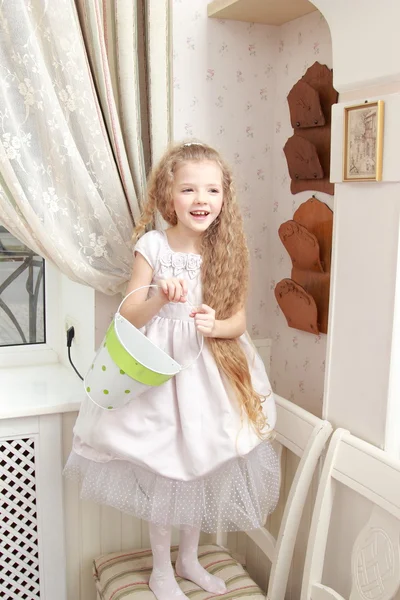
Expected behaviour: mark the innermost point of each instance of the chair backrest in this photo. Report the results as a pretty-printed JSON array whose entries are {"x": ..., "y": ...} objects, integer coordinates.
[
  {"x": 375, "y": 563},
  {"x": 305, "y": 435}
]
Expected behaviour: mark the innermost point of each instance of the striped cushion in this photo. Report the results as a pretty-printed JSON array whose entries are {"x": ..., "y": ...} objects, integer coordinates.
[{"x": 125, "y": 575}]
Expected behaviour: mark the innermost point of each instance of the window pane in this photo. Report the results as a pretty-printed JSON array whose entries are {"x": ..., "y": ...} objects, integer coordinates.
[{"x": 21, "y": 293}]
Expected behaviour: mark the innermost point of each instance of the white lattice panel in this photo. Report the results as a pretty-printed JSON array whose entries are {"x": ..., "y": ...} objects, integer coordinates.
[{"x": 19, "y": 575}]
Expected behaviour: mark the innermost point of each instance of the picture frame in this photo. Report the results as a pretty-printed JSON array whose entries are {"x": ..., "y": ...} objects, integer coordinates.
[{"x": 363, "y": 141}]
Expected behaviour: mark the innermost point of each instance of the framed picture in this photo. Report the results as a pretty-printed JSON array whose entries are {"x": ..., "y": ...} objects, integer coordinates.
[{"x": 363, "y": 142}]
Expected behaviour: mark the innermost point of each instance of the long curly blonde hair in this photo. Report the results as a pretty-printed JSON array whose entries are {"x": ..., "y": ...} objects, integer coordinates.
[{"x": 225, "y": 265}]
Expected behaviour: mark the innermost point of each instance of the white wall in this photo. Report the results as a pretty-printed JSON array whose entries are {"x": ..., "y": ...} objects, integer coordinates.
[
  {"x": 366, "y": 44},
  {"x": 76, "y": 307},
  {"x": 361, "y": 371},
  {"x": 364, "y": 275},
  {"x": 367, "y": 218}
]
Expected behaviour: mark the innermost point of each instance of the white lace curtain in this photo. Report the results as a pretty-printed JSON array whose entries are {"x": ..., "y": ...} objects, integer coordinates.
[{"x": 72, "y": 169}]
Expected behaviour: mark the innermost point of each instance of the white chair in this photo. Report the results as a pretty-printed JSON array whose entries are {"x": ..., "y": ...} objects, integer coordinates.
[
  {"x": 305, "y": 435},
  {"x": 375, "y": 564}
]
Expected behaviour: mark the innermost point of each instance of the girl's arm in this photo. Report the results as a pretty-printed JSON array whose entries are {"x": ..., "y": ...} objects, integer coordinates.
[
  {"x": 209, "y": 326},
  {"x": 137, "y": 309},
  {"x": 233, "y": 327}
]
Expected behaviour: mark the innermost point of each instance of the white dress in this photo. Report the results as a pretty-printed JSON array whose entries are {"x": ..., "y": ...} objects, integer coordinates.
[{"x": 182, "y": 453}]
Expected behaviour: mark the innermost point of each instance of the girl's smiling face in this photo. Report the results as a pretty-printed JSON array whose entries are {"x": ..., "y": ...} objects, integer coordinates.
[{"x": 197, "y": 194}]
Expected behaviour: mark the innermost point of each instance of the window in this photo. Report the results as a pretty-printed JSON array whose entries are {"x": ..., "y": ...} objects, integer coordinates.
[{"x": 22, "y": 293}]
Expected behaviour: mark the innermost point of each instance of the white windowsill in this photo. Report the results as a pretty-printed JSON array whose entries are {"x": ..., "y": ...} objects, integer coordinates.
[
  {"x": 39, "y": 390},
  {"x": 35, "y": 390}
]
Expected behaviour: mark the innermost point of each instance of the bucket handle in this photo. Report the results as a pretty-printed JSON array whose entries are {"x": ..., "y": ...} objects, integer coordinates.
[{"x": 142, "y": 287}]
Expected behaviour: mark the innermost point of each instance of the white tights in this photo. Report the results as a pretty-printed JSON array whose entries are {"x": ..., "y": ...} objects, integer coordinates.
[{"x": 162, "y": 580}]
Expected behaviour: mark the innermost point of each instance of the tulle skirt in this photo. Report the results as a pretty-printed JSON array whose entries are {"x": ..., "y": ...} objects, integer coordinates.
[{"x": 237, "y": 496}]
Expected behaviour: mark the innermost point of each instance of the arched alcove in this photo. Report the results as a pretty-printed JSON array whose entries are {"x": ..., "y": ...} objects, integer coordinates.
[{"x": 365, "y": 42}]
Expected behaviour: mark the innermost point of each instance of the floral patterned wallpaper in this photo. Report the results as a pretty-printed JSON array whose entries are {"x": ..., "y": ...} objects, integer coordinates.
[
  {"x": 298, "y": 358},
  {"x": 230, "y": 82}
]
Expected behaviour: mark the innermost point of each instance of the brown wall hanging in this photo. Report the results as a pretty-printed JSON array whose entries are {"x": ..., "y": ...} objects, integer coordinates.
[
  {"x": 308, "y": 151},
  {"x": 304, "y": 299}
]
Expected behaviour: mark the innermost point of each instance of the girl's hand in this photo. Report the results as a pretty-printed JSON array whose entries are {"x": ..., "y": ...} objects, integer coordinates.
[
  {"x": 174, "y": 289},
  {"x": 204, "y": 318}
]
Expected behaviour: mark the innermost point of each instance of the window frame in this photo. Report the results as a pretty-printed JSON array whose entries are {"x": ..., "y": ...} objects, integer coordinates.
[{"x": 43, "y": 352}]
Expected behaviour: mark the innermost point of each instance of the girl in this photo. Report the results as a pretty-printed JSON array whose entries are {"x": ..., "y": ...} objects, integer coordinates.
[{"x": 193, "y": 452}]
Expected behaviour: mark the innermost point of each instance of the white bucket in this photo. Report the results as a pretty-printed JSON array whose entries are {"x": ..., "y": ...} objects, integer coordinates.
[{"x": 128, "y": 364}]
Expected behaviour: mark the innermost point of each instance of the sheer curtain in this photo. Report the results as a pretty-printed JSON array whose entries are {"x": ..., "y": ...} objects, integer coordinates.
[
  {"x": 72, "y": 166},
  {"x": 115, "y": 40}
]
